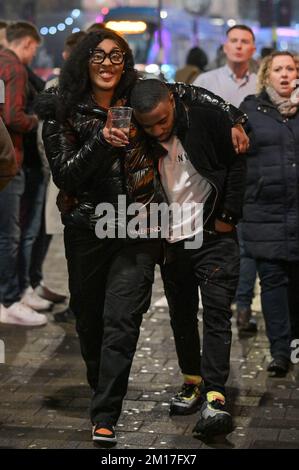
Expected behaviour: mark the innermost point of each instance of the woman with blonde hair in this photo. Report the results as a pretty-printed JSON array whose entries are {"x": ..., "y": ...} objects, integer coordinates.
[{"x": 271, "y": 206}]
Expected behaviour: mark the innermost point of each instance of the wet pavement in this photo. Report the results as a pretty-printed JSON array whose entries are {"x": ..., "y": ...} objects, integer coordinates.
[{"x": 45, "y": 398}]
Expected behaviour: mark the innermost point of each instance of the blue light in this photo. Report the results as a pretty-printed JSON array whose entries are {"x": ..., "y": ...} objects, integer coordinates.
[
  {"x": 61, "y": 27},
  {"x": 76, "y": 12},
  {"x": 52, "y": 30},
  {"x": 69, "y": 21},
  {"x": 76, "y": 30},
  {"x": 44, "y": 31}
]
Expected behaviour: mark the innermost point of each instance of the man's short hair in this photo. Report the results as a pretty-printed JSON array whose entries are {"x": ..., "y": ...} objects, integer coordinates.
[
  {"x": 17, "y": 30},
  {"x": 3, "y": 24},
  {"x": 243, "y": 27},
  {"x": 147, "y": 94},
  {"x": 72, "y": 40}
]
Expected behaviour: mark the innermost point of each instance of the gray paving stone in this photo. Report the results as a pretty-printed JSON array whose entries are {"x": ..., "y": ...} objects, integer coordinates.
[
  {"x": 167, "y": 428},
  {"x": 20, "y": 421},
  {"x": 138, "y": 405},
  {"x": 261, "y": 434},
  {"x": 267, "y": 412},
  {"x": 170, "y": 441},
  {"x": 14, "y": 443},
  {"x": 87, "y": 445},
  {"x": 289, "y": 435},
  {"x": 142, "y": 439},
  {"x": 51, "y": 444},
  {"x": 259, "y": 444}
]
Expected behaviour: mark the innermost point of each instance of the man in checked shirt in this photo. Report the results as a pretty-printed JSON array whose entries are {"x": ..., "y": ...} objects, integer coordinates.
[{"x": 23, "y": 40}]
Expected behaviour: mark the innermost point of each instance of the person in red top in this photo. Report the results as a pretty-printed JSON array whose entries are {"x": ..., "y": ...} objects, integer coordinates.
[{"x": 23, "y": 40}]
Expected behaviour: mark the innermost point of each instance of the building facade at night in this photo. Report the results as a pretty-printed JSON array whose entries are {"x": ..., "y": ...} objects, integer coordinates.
[{"x": 184, "y": 23}]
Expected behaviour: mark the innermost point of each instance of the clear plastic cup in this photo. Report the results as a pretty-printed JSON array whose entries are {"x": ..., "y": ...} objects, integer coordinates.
[{"x": 119, "y": 117}]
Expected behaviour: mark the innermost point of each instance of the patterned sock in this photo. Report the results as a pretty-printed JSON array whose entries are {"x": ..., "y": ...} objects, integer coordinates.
[
  {"x": 192, "y": 379},
  {"x": 211, "y": 396}
]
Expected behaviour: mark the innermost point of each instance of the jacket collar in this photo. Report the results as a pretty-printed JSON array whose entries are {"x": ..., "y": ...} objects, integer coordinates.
[
  {"x": 88, "y": 106},
  {"x": 264, "y": 100},
  {"x": 265, "y": 106},
  {"x": 9, "y": 53}
]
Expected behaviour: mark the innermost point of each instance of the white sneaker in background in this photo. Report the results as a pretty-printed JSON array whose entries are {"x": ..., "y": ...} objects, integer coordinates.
[
  {"x": 20, "y": 314},
  {"x": 34, "y": 301}
]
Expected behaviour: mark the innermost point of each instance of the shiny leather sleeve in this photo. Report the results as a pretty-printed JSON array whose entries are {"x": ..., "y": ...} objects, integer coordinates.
[
  {"x": 230, "y": 207},
  {"x": 71, "y": 162},
  {"x": 191, "y": 93}
]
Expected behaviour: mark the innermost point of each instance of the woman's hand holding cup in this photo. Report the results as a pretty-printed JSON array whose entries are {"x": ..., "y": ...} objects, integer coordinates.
[{"x": 117, "y": 127}]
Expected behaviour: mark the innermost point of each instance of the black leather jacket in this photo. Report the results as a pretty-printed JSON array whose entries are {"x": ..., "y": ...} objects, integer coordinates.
[
  {"x": 85, "y": 166},
  {"x": 205, "y": 133}
]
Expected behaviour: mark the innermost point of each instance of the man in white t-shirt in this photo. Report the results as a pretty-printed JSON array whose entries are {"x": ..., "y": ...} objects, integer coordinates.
[{"x": 201, "y": 168}]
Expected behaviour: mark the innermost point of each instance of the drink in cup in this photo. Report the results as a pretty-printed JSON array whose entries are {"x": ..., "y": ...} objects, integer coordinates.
[{"x": 120, "y": 118}]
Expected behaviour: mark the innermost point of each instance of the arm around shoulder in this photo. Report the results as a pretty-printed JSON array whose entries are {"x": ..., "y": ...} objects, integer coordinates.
[
  {"x": 230, "y": 210},
  {"x": 194, "y": 94}
]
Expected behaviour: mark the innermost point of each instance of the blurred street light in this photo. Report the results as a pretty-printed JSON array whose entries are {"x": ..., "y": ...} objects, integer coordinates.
[{"x": 160, "y": 41}]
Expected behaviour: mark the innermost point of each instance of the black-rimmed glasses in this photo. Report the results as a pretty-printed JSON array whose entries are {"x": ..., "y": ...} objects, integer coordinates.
[{"x": 97, "y": 56}]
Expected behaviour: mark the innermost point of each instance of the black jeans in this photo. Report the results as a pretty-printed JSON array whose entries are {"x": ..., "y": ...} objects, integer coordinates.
[
  {"x": 110, "y": 283},
  {"x": 215, "y": 268}
]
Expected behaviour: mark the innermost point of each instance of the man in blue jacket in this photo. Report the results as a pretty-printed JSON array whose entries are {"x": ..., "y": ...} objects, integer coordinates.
[{"x": 201, "y": 168}]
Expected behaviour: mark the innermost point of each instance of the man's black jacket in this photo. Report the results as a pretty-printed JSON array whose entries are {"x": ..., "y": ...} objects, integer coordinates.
[{"x": 205, "y": 133}]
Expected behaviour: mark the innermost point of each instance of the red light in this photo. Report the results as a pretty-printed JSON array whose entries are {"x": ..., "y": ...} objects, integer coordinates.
[{"x": 105, "y": 11}]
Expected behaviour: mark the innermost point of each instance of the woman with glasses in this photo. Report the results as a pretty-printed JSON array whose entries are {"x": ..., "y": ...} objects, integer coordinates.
[{"x": 110, "y": 279}]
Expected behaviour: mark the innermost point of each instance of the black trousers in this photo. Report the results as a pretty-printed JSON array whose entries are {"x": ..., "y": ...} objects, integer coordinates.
[
  {"x": 215, "y": 268},
  {"x": 110, "y": 283}
]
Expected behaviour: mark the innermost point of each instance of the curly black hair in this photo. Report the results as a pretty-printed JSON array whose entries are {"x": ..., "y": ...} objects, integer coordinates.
[{"x": 74, "y": 81}]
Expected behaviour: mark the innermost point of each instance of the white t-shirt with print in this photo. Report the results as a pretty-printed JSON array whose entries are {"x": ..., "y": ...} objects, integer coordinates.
[{"x": 183, "y": 185}]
